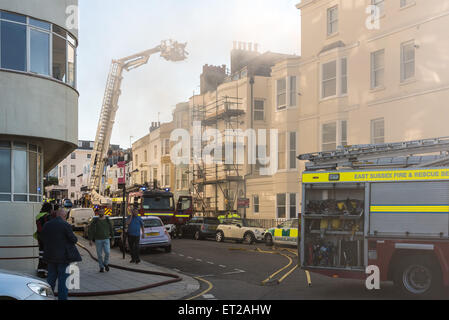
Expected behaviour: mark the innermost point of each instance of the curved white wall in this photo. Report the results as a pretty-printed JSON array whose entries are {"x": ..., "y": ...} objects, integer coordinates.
[{"x": 36, "y": 110}]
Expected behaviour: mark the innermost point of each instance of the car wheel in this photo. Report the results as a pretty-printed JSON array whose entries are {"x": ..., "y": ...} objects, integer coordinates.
[
  {"x": 418, "y": 276},
  {"x": 168, "y": 249},
  {"x": 249, "y": 238},
  {"x": 219, "y": 236},
  {"x": 197, "y": 236},
  {"x": 269, "y": 240}
]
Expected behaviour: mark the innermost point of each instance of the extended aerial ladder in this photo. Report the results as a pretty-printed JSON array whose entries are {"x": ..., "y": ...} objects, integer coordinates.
[
  {"x": 400, "y": 154},
  {"x": 170, "y": 51}
]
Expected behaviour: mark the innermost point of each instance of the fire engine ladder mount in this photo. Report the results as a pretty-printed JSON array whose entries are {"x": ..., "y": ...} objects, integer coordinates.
[
  {"x": 401, "y": 154},
  {"x": 170, "y": 51}
]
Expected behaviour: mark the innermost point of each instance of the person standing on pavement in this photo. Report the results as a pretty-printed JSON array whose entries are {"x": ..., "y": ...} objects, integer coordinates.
[
  {"x": 101, "y": 231},
  {"x": 135, "y": 230},
  {"x": 60, "y": 251},
  {"x": 41, "y": 219}
]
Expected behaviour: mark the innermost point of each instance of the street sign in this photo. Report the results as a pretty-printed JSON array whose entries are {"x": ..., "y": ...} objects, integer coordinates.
[{"x": 243, "y": 203}]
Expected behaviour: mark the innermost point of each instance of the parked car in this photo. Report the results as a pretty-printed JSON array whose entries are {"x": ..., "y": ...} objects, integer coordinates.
[
  {"x": 285, "y": 233},
  {"x": 117, "y": 225},
  {"x": 240, "y": 230},
  {"x": 156, "y": 235},
  {"x": 200, "y": 228},
  {"x": 67, "y": 203},
  {"x": 79, "y": 217},
  {"x": 17, "y": 286}
]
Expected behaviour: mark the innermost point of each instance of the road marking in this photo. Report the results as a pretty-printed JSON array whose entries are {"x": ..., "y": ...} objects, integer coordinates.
[
  {"x": 208, "y": 296},
  {"x": 181, "y": 255},
  {"x": 177, "y": 270},
  {"x": 235, "y": 272},
  {"x": 222, "y": 266},
  {"x": 210, "y": 262},
  {"x": 189, "y": 258},
  {"x": 211, "y": 286},
  {"x": 199, "y": 260}
]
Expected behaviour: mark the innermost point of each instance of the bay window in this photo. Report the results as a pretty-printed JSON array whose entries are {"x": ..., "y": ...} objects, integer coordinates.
[{"x": 38, "y": 47}]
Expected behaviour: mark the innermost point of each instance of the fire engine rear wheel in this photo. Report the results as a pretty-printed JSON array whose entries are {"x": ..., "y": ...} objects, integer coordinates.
[
  {"x": 219, "y": 236},
  {"x": 418, "y": 276}
]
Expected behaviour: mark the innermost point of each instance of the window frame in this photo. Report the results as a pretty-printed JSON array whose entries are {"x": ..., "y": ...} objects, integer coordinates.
[
  {"x": 256, "y": 204},
  {"x": 375, "y": 70},
  {"x": 329, "y": 23},
  {"x": 284, "y": 206},
  {"x": 338, "y": 133},
  {"x": 343, "y": 76},
  {"x": 322, "y": 80},
  {"x": 28, "y": 148},
  {"x": 69, "y": 40},
  {"x": 259, "y": 111},
  {"x": 279, "y": 106},
  {"x": 373, "y": 138},
  {"x": 290, "y": 151},
  {"x": 403, "y": 62},
  {"x": 339, "y": 76},
  {"x": 288, "y": 205}
]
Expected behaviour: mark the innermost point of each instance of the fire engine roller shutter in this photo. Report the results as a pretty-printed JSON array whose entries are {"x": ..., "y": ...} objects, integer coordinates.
[{"x": 419, "y": 208}]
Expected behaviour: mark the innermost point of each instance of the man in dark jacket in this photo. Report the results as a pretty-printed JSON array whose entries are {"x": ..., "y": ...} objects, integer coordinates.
[{"x": 58, "y": 239}]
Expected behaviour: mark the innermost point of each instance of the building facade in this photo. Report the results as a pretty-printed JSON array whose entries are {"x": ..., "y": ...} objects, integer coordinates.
[
  {"x": 73, "y": 171},
  {"x": 372, "y": 72},
  {"x": 38, "y": 115}
]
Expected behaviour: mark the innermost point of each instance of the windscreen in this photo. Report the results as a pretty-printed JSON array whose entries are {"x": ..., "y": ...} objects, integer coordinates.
[
  {"x": 152, "y": 223},
  {"x": 158, "y": 203},
  {"x": 211, "y": 221}
]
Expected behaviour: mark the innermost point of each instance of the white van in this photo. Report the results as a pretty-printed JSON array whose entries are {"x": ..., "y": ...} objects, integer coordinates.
[{"x": 80, "y": 217}]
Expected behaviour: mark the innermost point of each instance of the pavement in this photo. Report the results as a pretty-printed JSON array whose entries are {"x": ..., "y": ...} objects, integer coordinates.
[{"x": 91, "y": 280}]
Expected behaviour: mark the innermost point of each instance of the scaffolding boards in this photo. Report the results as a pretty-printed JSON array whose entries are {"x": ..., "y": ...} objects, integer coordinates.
[
  {"x": 215, "y": 181},
  {"x": 401, "y": 154}
]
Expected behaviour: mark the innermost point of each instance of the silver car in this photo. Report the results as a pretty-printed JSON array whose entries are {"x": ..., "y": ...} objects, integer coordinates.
[{"x": 17, "y": 286}]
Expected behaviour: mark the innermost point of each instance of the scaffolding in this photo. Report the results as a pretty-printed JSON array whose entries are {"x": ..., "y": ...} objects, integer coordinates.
[{"x": 212, "y": 181}]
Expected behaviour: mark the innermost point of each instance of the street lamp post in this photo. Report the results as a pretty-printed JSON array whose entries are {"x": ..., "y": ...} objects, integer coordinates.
[{"x": 124, "y": 206}]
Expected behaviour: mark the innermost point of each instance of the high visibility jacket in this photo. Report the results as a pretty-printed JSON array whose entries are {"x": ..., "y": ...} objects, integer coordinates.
[{"x": 41, "y": 219}]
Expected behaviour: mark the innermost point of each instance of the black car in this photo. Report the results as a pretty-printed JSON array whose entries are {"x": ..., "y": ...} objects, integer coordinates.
[
  {"x": 117, "y": 225},
  {"x": 200, "y": 228}
]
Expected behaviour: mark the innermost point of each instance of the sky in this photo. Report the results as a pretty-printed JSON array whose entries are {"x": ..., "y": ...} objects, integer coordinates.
[{"x": 113, "y": 29}]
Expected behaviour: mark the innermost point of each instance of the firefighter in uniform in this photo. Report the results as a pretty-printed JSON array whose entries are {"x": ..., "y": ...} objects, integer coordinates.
[{"x": 41, "y": 219}]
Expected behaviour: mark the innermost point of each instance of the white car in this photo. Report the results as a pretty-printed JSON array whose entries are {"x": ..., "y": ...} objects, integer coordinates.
[
  {"x": 79, "y": 217},
  {"x": 240, "y": 230},
  {"x": 17, "y": 286}
]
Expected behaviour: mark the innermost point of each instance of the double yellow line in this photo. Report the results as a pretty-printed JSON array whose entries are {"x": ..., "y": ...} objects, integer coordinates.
[
  {"x": 211, "y": 286},
  {"x": 309, "y": 280}
]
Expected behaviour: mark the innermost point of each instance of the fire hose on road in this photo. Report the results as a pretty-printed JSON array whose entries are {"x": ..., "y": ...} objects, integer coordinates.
[
  {"x": 175, "y": 278},
  {"x": 278, "y": 252}
]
